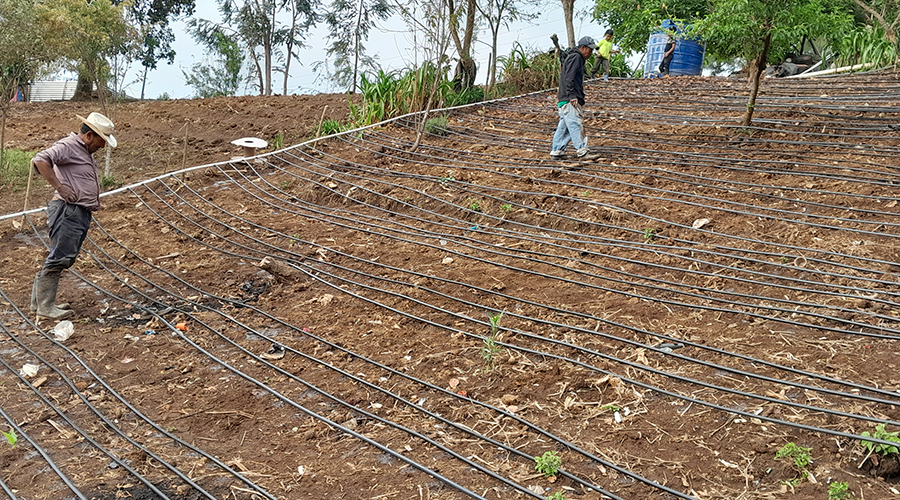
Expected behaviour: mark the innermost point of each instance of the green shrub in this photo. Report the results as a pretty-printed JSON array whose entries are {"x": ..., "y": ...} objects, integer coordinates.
[
  {"x": 467, "y": 96},
  {"x": 548, "y": 463},
  {"x": 14, "y": 168},
  {"x": 331, "y": 126},
  {"x": 437, "y": 125},
  {"x": 839, "y": 491}
]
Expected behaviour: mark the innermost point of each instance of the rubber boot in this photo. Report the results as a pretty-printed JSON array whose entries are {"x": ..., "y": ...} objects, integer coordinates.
[
  {"x": 64, "y": 305},
  {"x": 45, "y": 290}
]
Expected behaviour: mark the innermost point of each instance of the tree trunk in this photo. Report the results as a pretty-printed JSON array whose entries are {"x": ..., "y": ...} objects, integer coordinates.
[
  {"x": 568, "y": 11},
  {"x": 359, "y": 13},
  {"x": 144, "y": 83},
  {"x": 84, "y": 89},
  {"x": 757, "y": 67}
]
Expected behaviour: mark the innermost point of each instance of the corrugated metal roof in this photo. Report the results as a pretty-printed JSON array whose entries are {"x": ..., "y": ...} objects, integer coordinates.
[{"x": 51, "y": 91}]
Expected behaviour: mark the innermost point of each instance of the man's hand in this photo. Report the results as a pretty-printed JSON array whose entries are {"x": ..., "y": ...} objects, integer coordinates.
[{"x": 66, "y": 193}]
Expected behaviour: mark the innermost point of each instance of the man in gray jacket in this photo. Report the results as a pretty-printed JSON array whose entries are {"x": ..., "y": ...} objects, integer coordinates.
[
  {"x": 69, "y": 167},
  {"x": 570, "y": 100}
]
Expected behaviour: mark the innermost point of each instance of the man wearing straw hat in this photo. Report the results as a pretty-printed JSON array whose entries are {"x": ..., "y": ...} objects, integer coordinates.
[{"x": 69, "y": 167}]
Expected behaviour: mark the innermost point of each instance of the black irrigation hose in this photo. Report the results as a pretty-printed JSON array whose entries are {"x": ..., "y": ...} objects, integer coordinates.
[
  {"x": 511, "y": 450},
  {"x": 356, "y": 355},
  {"x": 471, "y": 286},
  {"x": 323, "y": 419},
  {"x": 733, "y": 303},
  {"x": 120, "y": 462},
  {"x": 124, "y": 402},
  {"x": 827, "y": 411},
  {"x": 20, "y": 433},
  {"x": 690, "y": 243}
]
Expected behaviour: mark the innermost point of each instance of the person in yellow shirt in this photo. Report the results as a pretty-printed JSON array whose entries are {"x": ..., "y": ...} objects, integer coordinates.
[{"x": 604, "y": 49}]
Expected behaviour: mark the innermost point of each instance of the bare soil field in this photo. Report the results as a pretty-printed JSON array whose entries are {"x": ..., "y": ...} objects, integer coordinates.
[{"x": 664, "y": 317}]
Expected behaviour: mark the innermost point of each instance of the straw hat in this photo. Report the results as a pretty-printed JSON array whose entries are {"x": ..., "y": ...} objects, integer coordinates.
[{"x": 101, "y": 125}]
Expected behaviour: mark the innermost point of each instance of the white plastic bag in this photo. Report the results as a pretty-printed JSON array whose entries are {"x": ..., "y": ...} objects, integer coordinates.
[{"x": 63, "y": 330}]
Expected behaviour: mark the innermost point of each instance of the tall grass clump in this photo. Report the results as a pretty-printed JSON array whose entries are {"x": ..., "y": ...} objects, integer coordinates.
[
  {"x": 14, "y": 168},
  {"x": 523, "y": 72},
  {"x": 867, "y": 45},
  {"x": 391, "y": 94}
]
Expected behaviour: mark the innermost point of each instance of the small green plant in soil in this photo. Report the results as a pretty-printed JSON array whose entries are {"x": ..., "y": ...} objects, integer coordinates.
[
  {"x": 278, "y": 140},
  {"x": 331, "y": 126},
  {"x": 494, "y": 320},
  {"x": 437, "y": 125},
  {"x": 108, "y": 181},
  {"x": 15, "y": 167},
  {"x": 880, "y": 433},
  {"x": 839, "y": 490},
  {"x": 490, "y": 349},
  {"x": 800, "y": 458},
  {"x": 474, "y": 206},
  {"x": 548, "y": 463},
  {"x": 11, "y": 437},
  {"x": 649, "y": 234},
  {"x": 611, "y": 408},
  {"x": 506, "y": 207},
  {"x": 556, "y": 496},
  {"x": 444, "y": 180}
]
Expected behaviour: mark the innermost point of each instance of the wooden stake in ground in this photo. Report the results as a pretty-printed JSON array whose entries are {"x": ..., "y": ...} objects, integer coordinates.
[
  {"x": 27, "y": 191},
  {"x": 322, "y": 119}
]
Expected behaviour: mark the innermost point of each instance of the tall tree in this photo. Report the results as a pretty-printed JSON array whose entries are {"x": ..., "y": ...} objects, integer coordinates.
[
  {"x": 27, "y": 46},
  {"x": 568, "y": 14},
  {"x": 349, "y": 22},
  {"x": 635, "y": 20},
  {"x": 92, "y": 34},
  {"x": 760, "y": 31},
  {"x": 884, "y": 13},
  {"x": 499, "y": 13},
  {"x": 465, "y": 67},
  {"x": 222, "y": 75},
  {"x": 257, "y": 25},
  {"x": 151, "y": 18}
]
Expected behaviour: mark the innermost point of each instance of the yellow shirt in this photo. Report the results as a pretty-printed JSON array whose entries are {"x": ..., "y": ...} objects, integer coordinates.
[{"x": 604, "y": 47}]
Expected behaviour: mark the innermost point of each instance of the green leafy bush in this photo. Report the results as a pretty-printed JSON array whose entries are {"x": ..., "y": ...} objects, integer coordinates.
[
  {"x": 467, "y": 96},
  {"x": 15, "y": 167},
  {"x": 839, "y": 491},
  {"x": 548, "y": 463},
  {"x": 880, "y": 433},
  {"x": 437, "y": 125}
]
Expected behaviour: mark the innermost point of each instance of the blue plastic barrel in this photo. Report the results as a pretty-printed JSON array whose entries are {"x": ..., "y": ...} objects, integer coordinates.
[{"x": 687, "y": 58}]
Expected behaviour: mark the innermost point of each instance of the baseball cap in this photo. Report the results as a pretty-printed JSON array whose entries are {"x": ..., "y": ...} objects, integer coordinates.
[{"x": 587, "y": 41}]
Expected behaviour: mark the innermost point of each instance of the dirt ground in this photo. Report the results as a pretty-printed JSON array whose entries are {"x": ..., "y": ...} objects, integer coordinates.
[{"x": 665, "y": 316}]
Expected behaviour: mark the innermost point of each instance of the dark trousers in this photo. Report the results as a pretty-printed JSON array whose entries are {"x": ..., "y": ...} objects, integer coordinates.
[
  {"x": 664, "y": 65},
  {"x": 69, "y": 225}
]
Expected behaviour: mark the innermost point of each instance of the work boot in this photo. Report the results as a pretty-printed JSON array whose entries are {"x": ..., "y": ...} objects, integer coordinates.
[
  {"x": 64, "y": 305},
  {"x": 45, "y": 288}
]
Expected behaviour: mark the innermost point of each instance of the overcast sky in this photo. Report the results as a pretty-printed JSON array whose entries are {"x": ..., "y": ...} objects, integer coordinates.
[{"x": 389, "y": 42}]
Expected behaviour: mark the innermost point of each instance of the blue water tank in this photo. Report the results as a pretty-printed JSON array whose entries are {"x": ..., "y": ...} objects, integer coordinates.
[{"x": 687, "y": 58}]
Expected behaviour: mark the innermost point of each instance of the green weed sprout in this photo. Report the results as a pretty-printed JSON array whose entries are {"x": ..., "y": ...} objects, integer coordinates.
[
  {"x": 556, "y": 496},
  {"x": 490, "y": 349},
  {"x": 800, "y": 459},
  {"x": 548, "y": 463},
  {"x": 839, "y": 490},
  {"x": 649, "y": 234},
  {"x": 494, "y": 320},
  {"x": 11, "y": 437},
  {"x": 612, "y": 408},
  {"x": 506, "y": 207},
  {"x": 474, "y": 206},
  {"x": 437, "y": 125},
  {"x": 880, "y": 433}
]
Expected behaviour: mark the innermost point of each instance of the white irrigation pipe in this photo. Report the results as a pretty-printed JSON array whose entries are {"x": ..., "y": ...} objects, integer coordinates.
[{"x": 833, "y": 70}]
